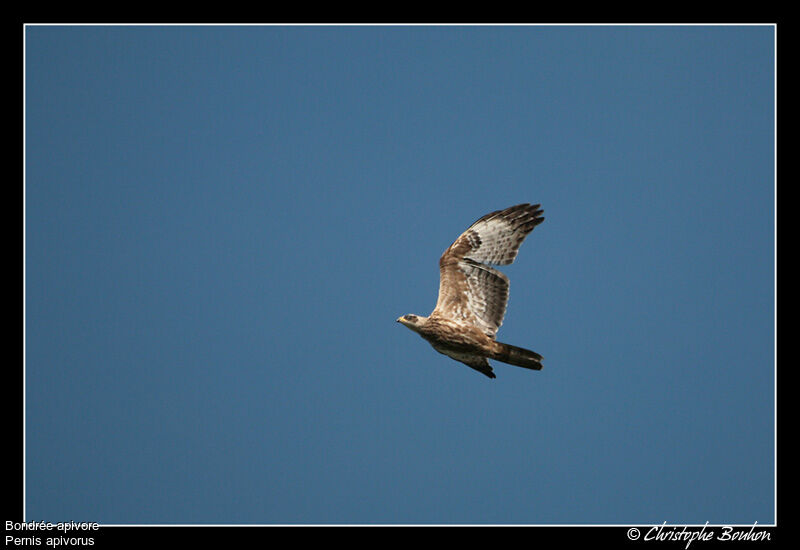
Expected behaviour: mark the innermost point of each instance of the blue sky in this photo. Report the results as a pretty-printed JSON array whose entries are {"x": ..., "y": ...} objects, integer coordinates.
[{"x": 223, "y": 223}]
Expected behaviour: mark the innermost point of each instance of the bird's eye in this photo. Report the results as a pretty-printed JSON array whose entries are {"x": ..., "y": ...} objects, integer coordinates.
[{"x": 409, "y": 317}]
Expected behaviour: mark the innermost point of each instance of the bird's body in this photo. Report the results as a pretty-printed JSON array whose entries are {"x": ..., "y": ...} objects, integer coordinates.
[{"x": 473, "y": 295}]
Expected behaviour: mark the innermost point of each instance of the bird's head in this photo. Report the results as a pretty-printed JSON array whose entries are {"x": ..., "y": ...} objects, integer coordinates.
[{"x": 412, "y": 321}]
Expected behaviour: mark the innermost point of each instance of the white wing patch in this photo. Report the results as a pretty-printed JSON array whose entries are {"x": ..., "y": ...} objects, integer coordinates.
[
  {"x": 499, "y": 235},
  {"x": 487, "y": 295}
]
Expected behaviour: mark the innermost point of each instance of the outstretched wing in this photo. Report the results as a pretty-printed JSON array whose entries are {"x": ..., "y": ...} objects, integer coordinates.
[
  {"x": 470, "y": 291},
  {"x": 495, "y": 238},
  {"x": 477, "y": 362}
]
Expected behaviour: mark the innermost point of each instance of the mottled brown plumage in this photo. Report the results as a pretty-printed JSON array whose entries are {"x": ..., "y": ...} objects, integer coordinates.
[{"x": 473, "y": 295}]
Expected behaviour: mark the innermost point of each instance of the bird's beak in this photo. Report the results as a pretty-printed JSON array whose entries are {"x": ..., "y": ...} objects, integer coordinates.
[{"x": 398, "y": 319}]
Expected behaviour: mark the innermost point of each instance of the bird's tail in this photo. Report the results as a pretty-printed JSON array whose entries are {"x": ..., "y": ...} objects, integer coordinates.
[{"x": 519, "y": 357}]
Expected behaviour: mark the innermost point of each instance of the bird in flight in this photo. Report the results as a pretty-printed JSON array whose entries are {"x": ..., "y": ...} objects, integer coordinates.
[{"x": 473, "y": 295}]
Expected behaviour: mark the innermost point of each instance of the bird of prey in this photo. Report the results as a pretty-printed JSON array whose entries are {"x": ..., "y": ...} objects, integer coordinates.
[{"x": 473, "y": 295}]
